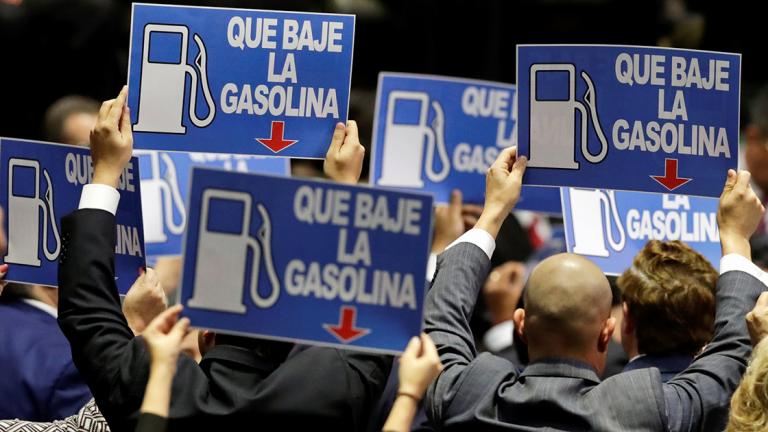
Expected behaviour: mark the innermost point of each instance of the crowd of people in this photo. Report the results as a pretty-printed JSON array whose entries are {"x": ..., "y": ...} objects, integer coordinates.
[
  {"x": 76, "y": 358},
  {"x": 518, "y": 334}
]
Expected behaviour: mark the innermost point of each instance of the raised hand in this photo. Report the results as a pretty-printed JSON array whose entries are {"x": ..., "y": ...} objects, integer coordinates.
[
  {"x": 344, "y": 159},
  {"x": 112, "y": 140}
]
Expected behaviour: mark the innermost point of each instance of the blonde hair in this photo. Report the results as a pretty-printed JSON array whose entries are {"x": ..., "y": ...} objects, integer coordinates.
[{"x": 749, "y": 405}]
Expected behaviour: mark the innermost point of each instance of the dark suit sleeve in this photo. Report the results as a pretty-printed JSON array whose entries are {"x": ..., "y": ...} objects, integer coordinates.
[
  {"x": 461, "y": 272},
  {"x": 112, "y": 361},
  {"x": 699, "y": 397}
]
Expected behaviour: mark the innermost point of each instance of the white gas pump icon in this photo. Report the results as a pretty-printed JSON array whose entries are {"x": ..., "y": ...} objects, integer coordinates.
[
  {"x": 228, "y": 251},
  {"x": 163, "y": 85},
  {"x": 160, "y": 196},
  {"x": 403, "y": 160},
  {"x": 553, "y": 122},
  {"x": 24, "y": 217},
  {"x": 591, "y": 212}
]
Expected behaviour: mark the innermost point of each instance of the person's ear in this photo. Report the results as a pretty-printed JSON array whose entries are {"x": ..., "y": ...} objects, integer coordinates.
[
  {"x": 519, "y": 319},
  {"x": 627, "y": 321},
  {"x": 605, "y": 334}
]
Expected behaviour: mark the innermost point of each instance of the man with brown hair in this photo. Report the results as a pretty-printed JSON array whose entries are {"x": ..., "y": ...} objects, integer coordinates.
[{"x": 669, "y": 307}]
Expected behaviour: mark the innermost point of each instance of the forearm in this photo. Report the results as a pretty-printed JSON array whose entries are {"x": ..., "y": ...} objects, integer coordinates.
[
  {"x": 401, "y": 416},
  {"x": 114, "y": 365},
  {"x": 702, "y": 392},
  {"x": 157, "y": 398}
]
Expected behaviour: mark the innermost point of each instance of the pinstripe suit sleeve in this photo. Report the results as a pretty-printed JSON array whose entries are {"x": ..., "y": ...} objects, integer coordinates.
[
  {"x": 461, "y": 272},
  {"x": 699, "y": 397}
]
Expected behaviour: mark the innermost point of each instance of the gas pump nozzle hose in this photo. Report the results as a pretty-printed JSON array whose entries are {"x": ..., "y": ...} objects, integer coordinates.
[
  {"x": 201, "y": 61},
  {"x": 589, "y": 99}
]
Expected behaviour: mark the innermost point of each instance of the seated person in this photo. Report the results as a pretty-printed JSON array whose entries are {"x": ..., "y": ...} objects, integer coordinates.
[
  {"x": 40, "y": 382},
  {"x": 567, "y": 325},
  {"x": 319, "y": 388},
  {"x": 143, "y": 302},
  {"x": 669, "y": 307}
]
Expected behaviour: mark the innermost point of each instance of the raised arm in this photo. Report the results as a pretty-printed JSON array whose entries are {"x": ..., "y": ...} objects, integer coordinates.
[
  {"x": 461, "y": 272},
  {"x": 702, "y": 392},
  {"x": 113, "y": 362},
  {"x": 89, "y": 306}
]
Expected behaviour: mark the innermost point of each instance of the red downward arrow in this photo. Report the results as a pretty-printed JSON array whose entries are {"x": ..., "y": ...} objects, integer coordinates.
[
  {"x": 275, "y": 142},
  {"x": 670, "y": 180},
  {"x": 346, "y": 331}
]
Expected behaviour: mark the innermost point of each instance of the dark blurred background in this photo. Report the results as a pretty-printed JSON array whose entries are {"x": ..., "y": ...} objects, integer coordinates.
[{"x": 52, "y": 48}]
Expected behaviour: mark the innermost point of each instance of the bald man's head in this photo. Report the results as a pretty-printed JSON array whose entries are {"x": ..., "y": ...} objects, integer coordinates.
[{"x": 567, "y": 303}]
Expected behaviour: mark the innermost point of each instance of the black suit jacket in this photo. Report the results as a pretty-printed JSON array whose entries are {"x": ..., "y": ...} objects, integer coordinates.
[{"x": 318, "y": 389}]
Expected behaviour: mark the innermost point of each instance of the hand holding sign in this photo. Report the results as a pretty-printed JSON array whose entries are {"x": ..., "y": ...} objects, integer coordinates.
[
  {"x": 419, "y": 365},
  {"x": 503, "y": 289},
  {"x": 739, "y": 213},
  {"x": 344, "y": 160},
  {"x": 163, "y": 337},
  {"x": 502, "y": 189},
  {"x": 144, "y": 301},
  {"x": 757, "y": 320},
  {"x": 449, "y": 223},
  {"x": 112, "y": 140}
]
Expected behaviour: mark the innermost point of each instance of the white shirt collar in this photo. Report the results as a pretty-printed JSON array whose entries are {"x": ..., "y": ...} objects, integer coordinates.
[{"x": 50, "y": 310}]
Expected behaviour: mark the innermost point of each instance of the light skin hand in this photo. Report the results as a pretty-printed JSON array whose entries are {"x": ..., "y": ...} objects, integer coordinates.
[
  {"x": 163, "y": 337},
  {"x": 470, "y": 213},
  {"x": 503, "y": 183},
  {"x": 757, "y": 319},
  {"x": 112, "y": 140},
  {"x": 449, "y": 223},
  {"x": 344, "y": 159},
  {"x": 738, "y": 214},
  {"x": 503, "y": 289},
  {"x": 145, "y": 300},
  {"x": 419, "y": 366}
]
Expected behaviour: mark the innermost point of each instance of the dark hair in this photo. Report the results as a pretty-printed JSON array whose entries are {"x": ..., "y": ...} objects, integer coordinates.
[{"x": 58, "y": 112}]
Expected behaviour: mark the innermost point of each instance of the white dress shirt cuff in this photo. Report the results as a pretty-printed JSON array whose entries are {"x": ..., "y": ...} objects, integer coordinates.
[
  {"x": 499, "y": 336},
  {"x": 431, "y": 267},
  {"x": 737, "y": 262},
  {"x": 100, "y": 197},
  {"x": 479, "y": 238}
]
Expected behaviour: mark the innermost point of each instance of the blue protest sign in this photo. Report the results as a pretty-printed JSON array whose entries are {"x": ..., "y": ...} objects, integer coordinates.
[
  {"x": 165, "y": 187},
  {"x": 304, "y": 260},
  {"x": 628, "y": 118},
  {"x": 45, "y": 182},
  {"x": 437, "y": 134},
  {"x": 238, "y": 81},
  {"x": 611, "y": 227}
]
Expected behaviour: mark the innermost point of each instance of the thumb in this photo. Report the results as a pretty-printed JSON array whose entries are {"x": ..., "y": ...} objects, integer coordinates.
[
  {"x": 518, "y": 169},
  {"x": 337, "y": 140},
  {"x": 762, "y": 301},
  {"x": 412, "y": 350},
  {"x": 730, "y": 181},
  {"x": 456, "y": 202}
]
